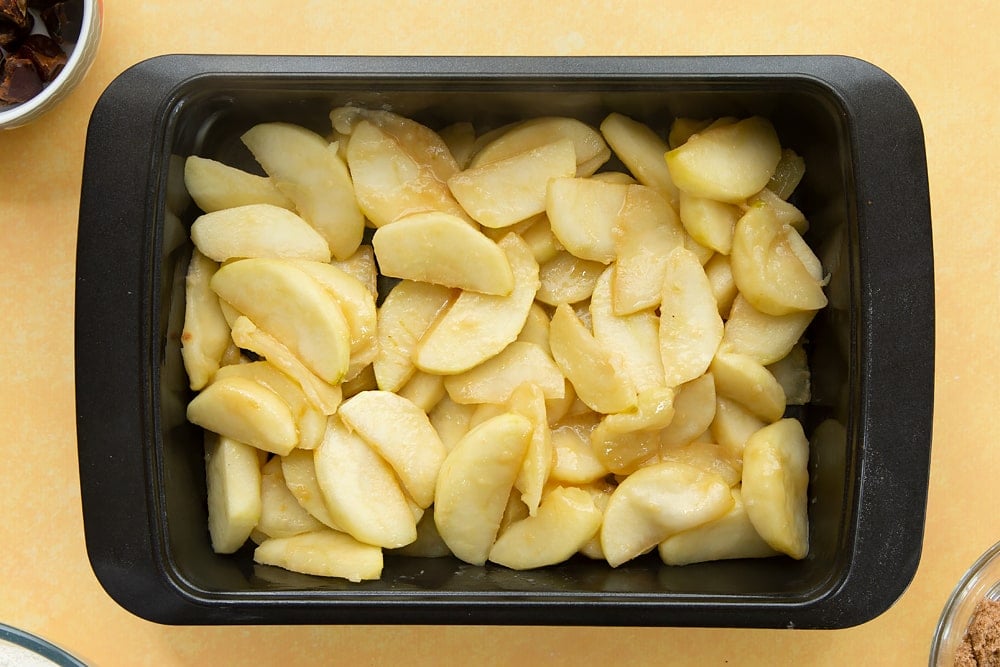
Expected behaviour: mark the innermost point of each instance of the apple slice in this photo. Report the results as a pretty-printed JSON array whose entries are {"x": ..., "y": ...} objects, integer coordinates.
[
  {"x": 732, "y": 427},
  {"x": 324, "y": 553},
  {"x": 478, "y": 326},
  {"x": 787, "y": 174},
  {"x": 626, "y": 440},
  {"x": 401, "y": 433},
  {"x": 496, "y": 379},
  {"x": 424, "y": 390},
  {"x": 257, "y": 230},
  {"x": 361, "y": 265},
  {"x": 536, "y": 328},
  {"x": 451, "y": 420},
  {"x": 308, "y": 170},
  {"x": 361, "y": 490},
  {"x": 694, "y": 410},
  {"x": 589, "y": 148},
  {"x": 405, "y": 316},
  {"x": 281, "y": 514},
  {"x": 730, "y": 536},
  {"x": 706, "y": 456},
  {"x": 298, "y": 468},
  {"x": 566, "y": 278},
  {"x": 635, "y": 336},
  {"x": 597, "y": 375},
  {"x": 747, "y": 382},
  {"x": 567, "y": 518},
  {"x": 529, "y": 400},
  {"x": 442, "y": 249},
  {"x": 775, "y": 486},
  {"x": 656, "y": 502},
  {"x": 768, "y": 267},
  {"x": 646, "y": 231},
  {"x": 690, "y": 326},
  {"x": 215, "y": 186},
  {"x": 765, "y": 338},
  {"x": 727, "y": 162},
  {"x": 792, "y": 373},
  {"x": 460, "y": 138},
  {"x": 205, "y": 336},
  {"x": 232, "y": 474},
  {"x": 475, "y": 482},
  {"x": 641, "y": 150},
  {"x": 574, "y": 459},
  {"x": 709, "y": 222},
  {"x": 682, "y": 129},
  {"x": 720, "y": 277},
  {"x": 501, "y": 193},
  {"x": 389, "y": 182},
  {"x": 582, "y": 213},
  {"x": 246, "y": 411},
  {"x": 292, "y": 307}
]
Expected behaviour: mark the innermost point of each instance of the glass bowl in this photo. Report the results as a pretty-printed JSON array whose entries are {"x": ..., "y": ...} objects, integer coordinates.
[
  {"x": 981, "y": 581},
  {"x": 18, "y": 647}
]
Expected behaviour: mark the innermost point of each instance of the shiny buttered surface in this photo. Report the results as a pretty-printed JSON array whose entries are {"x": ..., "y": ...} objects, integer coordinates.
[{"x": 570, "y": 360}]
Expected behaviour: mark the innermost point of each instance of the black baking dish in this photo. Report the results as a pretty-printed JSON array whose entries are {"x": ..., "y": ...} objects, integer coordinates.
[{"x": 871, "y": 351}]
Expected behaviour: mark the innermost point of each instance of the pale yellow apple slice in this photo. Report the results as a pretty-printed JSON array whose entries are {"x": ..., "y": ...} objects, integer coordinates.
[
  {"x": 732, "y": 427},
  {"x": 325, "y": 396},
  {"x": 730, "y": 536},
  {"x": 361, "y": 490},
  {"x": 451, "y": 420},
  {"x": 361, "y": 265},
  {"x": 232, "y": 475},
  {"x": 310, "y": 421},
  {"x": 246, "y": 411},
  {"x": 566, "y": 278},
  {"x": 787, "y": 174},
  {"x": 709, "y": 222},
  {"x": 215, "y": 186},
  {"x": 765, "y": 338},
  {"x": 257, "y": 230},
  {"x": 635, "y": 337},
  {"x": 478, "y": 326},
  {"x": 775, "y": 486},
  {"x": 298, "y": 468},
  {"x": 769, "y": 271},
  {"x": 281, "y": 514},
  {"x": 747, "y": 382},
  {"x": 694, "y": 410},
  {"x": 496, "y": 379},
  {"x": 442, "y": 249},
  {"x": 720, "y": 277},
  {"x": 308, "y": 170},
  {"x": 682, "y": 129},
  {"x": 529, "y": 400},
  {"x": 646, "y": 231},
  {"x": 690, "y": 326},
  {"x": 598, "y": 378},
  {"x": 389, "y": 182},
  {"x": 588, "y": 146},
  {"x": 507, "y": 191},
  {"x": 536, "y": 328},
  {"x": 707, "y": 456},
  {"x": 424, "y": 390},
  {"x": 292, "y": 307},
  {"x": 641, "y": 150},
  {"x": 404, "y": 317},
  {"x": 460, "y": 138},
  {"x": 786, "y": 212},
  {"x": 574, "y": 460},
  {"x": 728, "y": 162},
  {"x": 324, "y": 553},
  {"x": 656, "y": 502},
  {"x": 567, "y": 518},
  {"x": 205, "y": 335},
  {"x": 792, "y": 373},
  {"x": 475, "y": 482},
  {"x": 401, "y": 433},
  {"x": 582, "y": 213},
  {"x": 626, "y": 440},
  {"x": 539, "y": 237}
]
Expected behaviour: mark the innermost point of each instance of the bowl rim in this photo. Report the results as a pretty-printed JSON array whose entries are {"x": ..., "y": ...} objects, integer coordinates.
[
  {"x": 80, "y": 58},
  {"x": 972, "y": 583}
]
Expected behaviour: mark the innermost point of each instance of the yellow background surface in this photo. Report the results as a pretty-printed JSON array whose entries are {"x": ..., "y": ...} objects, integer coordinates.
[{"x": 944, "y": 53}]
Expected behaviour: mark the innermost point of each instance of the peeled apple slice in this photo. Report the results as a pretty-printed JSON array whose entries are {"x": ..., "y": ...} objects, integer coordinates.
[
  {"x": 281, "y": 514},
  {"x": 478, "y": 326},
  {"x": 641, "y": 150},
  {"x": 765, "y": 338},
  {"x": 246, "y": 411},
  {"x": 694, "y": 410},
  {"x": 709, "y": 222},
  {"x": 582, "y": 213},
  {"x": 400, "y": 433},
  {"x": 475, "y": 482},
  {"x": 507, "y": 191},
  {"x": 257, "y": 230},
  {"x": 529, "y": 401},
  {"x": 747, "y": 382},
  {"x": 589, "y": 147},
  {"x": 361, "y": 490},
  {"x": 307, "y": 169},
  {"x": 656, "y": 502},
  {"x": 442, "y": 249},
  {"x": 767, "y": 264},
  {"x": 567, "y": 518},
  {"x": 324, "y": 553},
  {"x": 214, "y": 186},
  {"x": 232, "y": 473},
  {"x": 690, "y": 326},
  {"x": 775, "y": 486},
  {"x": 292, "y": 307},
  {"x": 406, "y": 314},
  {"x": 205, "y": 336},
  {"x": 727, "y": 163},
  {"x": 298, "y": 468},
  {"x": 494, "y": 380}
]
